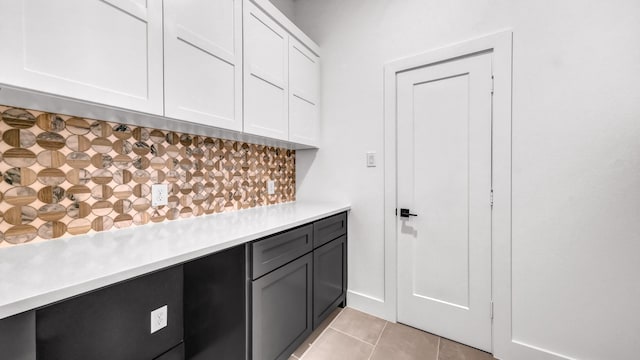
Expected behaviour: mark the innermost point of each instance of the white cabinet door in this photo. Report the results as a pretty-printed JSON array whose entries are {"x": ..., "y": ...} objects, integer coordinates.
[
  {"x": 103, "y": 51},
  {"x": 304, "y": 74},
  {"x": 203, "y": 61},
  {"x": 266, "y": 75}
]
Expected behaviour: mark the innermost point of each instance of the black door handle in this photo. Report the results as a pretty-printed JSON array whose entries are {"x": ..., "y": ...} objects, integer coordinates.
[{"x": 405, "y": 213}]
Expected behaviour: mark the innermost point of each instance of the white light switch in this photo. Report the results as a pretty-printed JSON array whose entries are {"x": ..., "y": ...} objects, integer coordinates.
[
  {"x": 371, "y": 159},
  {"x": 271, "y": 187},
  {"x": 159, "y": 194},
  {"x": 159, "y": 319}
]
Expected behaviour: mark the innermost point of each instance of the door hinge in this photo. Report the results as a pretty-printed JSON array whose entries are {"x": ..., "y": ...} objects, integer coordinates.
[
  {"x": 491, "y": 198},
  {"x": 492, "y": 84},
  {"x": 491, "y": 310}
]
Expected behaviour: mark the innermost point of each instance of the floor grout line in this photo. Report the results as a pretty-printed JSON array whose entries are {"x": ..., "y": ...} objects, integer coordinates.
[
  {"x": 438, "y": 351},
  {"x": 322, "y": 333},
  {"x": 377, "y": 341},
  {"x": 351, "y": 336}
]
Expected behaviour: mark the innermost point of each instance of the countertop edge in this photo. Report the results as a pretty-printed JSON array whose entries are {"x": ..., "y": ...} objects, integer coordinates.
[{"x": 50, "y": 297}]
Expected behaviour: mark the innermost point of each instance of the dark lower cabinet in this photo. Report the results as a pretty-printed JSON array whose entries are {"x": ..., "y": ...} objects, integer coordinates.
[
  {"x": 177, "y": 353},
  {"x": 114, "y": 323},
  {"x": 308, "y": 283},
  {"x": 18, "y": 337},
  {"x": 214, "y": 306},
  {"x": 282, "y": 309},
  {"x": 257, "y": 301},
  {"x": 329, "y": 278}
]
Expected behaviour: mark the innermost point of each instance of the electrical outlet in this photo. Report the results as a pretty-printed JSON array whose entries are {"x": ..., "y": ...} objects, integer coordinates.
[
  {"x": 159, "y": 194},
  {"x": 159, "y": 319},
  {"x": 271, "y": 187}
]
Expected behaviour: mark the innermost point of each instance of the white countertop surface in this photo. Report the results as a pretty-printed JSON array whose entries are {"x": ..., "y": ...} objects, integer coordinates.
[{"x": 34, "y": 275}]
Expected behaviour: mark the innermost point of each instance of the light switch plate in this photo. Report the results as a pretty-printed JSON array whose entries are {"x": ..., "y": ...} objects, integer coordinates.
[
  {"x": 371, "y": 159},
  {"x": 159, "y": 319},
  {"x": 271, "y": 187},
  {"x": 159, "y": 194}
]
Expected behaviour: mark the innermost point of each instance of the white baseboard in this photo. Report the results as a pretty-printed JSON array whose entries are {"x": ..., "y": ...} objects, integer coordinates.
[{"x": 370, "y": 305}]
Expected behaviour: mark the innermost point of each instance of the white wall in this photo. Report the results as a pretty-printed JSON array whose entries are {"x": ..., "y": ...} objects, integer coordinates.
[
  {"x": 287, "y": 7},
  {"x": 576, "y": 153}
]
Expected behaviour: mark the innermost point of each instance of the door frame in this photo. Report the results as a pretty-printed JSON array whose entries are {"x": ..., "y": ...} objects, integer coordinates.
[{"x": 500, "y": 45}]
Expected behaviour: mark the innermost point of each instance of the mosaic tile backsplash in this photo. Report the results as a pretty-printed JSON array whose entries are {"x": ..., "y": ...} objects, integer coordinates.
[{"x": 64, "y": 175}]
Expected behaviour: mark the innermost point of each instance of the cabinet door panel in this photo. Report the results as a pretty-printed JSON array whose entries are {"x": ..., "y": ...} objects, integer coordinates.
[
  {"x": 282, "y": 303},
  {"x": 304, "y": 74},
  {"x": 203, "y": 62},
  {"x": 329, "y": 278},
  {"x": 107, "y": 52},
  {"x": 266, "y": 89},
  {"x": 114, "y": 323},
  {"x": 215, "y": 287},
  {"x": 177, "y": 353},
  {"x": 18, "y": 337}
]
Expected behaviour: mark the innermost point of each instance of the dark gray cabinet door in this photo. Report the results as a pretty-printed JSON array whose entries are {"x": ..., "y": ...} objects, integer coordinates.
[
  {"x": 215, "y": 306},
  {"x": 282, "y": 310},
  {"x": 113, "y": 323},
  {"x": 329, "y": 278},
  {"x": 177, "y": 353},
  {"x": 18, "y": 337}
]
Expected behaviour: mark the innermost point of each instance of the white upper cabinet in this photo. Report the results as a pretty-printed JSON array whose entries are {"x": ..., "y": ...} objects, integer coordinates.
[
  {"x": 281, "y": 77},
  {"x": 203, "y": 61},
  {"x": 266, "y": 75},
  {"x": 103, "y": 51},
  {"x": 304, "y": 74}
]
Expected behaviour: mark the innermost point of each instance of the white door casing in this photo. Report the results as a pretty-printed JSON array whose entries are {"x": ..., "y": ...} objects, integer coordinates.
[
  {"x": 500, "y": 44},
  {"x": 203, "y": 62},
  {"x": 444, "y": 175},
  {"x": 107, "y": 52}
]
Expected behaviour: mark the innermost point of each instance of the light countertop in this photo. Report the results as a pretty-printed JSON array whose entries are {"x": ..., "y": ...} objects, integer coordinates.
[{"x": 34, "y": 275}]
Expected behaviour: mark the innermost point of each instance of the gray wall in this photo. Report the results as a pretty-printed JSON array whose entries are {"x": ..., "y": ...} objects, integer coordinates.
[{"x": 287, "y": 7}]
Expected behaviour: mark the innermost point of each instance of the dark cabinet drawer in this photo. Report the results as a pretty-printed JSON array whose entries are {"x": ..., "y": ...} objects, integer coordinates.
[
  {"x": 329, "y": 278},
  {"x": 275, "y": 251},
  {"x": 282, "y": 310},
  {"x": 114, "y": 323},
  {"x": 328, "y": 229}
]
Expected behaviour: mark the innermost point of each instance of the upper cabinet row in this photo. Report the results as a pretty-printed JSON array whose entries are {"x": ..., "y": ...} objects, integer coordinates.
[{"x": 222, "y": 63}]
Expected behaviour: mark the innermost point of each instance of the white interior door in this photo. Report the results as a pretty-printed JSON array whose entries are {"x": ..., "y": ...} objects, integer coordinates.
[{"x": 444, "y": 176}]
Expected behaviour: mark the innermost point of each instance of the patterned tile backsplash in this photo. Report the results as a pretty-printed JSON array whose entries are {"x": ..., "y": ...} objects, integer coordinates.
[{"x": 65, "y": 175}]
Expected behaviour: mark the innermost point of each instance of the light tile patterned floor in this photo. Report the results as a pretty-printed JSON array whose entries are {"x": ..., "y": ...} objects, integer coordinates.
[{"x": 349, "y": 334}]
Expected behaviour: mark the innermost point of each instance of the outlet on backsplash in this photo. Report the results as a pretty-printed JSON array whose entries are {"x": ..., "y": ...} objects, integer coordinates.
[{"x": 159, "y": 194}]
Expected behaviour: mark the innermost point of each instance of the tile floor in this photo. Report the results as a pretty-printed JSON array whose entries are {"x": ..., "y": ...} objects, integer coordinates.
[{"x": 349, "y": 334}]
